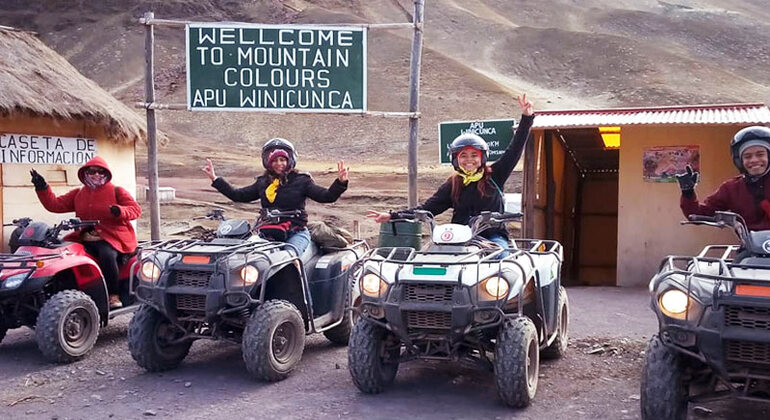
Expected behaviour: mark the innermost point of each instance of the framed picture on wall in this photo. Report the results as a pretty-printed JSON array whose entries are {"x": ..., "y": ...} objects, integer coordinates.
[{"x": 661, "y": 163}]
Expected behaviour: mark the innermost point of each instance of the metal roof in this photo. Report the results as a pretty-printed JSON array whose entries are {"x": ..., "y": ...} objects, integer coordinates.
[{"x": 690, "y": 114}]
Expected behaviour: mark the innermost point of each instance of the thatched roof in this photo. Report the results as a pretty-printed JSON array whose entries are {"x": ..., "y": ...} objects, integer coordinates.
[{"x": 34, "y": 79}]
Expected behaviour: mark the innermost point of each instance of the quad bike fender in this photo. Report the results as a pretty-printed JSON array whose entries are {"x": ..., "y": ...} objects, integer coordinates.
[
  {"x": 90, "y": 281},
  {"x": 80, "y": 273},
  {"x": 285, "y": 281},
  {"x": 522, "y": 293}
]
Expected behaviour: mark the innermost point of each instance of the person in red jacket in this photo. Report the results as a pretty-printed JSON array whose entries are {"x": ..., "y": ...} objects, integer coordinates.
[
  {"x": 747, "y": 194},
  {"x": 98, "y": 199}
]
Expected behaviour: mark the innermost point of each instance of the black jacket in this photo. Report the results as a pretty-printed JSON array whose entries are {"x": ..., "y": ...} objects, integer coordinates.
[
  {"x": 471, "y": 202},
  {"x": 290, "y": 196}
]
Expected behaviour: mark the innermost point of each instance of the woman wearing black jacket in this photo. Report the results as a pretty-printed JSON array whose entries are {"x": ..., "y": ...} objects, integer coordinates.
[
  {"x": 282, "y": 187},
  {"x": 475, "y": 186}
]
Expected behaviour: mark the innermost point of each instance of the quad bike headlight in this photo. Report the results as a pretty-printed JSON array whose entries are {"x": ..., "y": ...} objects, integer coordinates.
[
  {"x": 150, "y": 271},
  {"x": 372, "y": 285},
  {"x": 674, "y": 301},
  {"x": 14, "y": 281},
  {"x": 249, "y": 274},
  {"x": 496, "y": 287}
]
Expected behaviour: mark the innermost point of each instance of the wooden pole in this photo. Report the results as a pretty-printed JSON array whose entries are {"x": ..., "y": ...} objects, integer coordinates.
[
  {"x": 177, "y": 22},
  {"x": 414, "y": 96},
  {"x": 152, "y": 137}
]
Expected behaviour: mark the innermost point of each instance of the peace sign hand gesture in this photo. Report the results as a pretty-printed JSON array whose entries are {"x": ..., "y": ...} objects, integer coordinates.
[
  {"x": 209, "y": 170},
  {"x": 342, "y": 171},
  {"x": 526, "y": 106}
]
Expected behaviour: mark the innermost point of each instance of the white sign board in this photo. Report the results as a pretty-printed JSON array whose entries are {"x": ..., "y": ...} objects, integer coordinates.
[{"x": 38, "y": 149}]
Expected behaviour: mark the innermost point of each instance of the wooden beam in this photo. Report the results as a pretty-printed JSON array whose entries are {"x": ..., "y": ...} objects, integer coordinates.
[
  {"x": 577, "y": 220},
  {"x": 529, "y": 188},
  {"x": 550, "y": 188}
]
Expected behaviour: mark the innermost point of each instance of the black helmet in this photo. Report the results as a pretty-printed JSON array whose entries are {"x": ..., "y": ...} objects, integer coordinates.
[
  {"x": 279, "y": 143},
  {"x": 750, "y": 136},
  {"x": 468, "y": 140}
]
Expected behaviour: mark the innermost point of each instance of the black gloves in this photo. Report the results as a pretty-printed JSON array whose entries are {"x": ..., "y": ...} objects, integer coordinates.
[
  {"x": 38, "y": 181},
  {"x": 115, "y": 210},
  {"x": 687, "y": 181}
]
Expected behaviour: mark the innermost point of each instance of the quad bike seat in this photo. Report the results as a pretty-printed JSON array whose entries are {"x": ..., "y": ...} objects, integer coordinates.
[{"x": 310, "y": 252}]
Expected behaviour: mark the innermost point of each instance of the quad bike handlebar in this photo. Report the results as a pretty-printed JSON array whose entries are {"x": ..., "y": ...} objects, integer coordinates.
[
  {"x": 489, "y": 220},
  {"x": 71, "y": 224},
  {"x": 723, "y": 219},
  {"x": 41, "y": 234},
  {"x": 22, "y": 223},
  {"x": 483, "y": 221},
  {"x": 412, "y": 216},
  {"x": 270, "y": 216},
  {"x": 213, "y": 214}
]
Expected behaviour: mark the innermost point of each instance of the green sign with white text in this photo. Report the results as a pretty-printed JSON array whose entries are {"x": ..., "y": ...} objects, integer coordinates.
[
  {"x": 497, "y": 133},
  {"x": 290, "y": 68}
]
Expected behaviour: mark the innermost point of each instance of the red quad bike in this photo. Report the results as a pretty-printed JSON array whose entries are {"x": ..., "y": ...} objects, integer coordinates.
[{"x": 57, "y": 289}]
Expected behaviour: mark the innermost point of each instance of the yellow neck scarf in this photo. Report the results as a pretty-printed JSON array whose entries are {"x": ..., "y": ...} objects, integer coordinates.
[
  {"x": 468, "y": 178},
  {"x": 271, "y": 190}
]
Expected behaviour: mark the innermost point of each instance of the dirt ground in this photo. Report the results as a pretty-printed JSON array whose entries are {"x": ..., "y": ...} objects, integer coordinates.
[{"x": 212, "y": 383}]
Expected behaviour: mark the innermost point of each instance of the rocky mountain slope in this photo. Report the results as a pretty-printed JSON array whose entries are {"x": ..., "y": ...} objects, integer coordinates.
[{"x": 478, "y": 55}]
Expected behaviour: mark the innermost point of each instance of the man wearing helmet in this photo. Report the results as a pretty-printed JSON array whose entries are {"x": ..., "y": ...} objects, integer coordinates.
[
  {"x": 747, "y": 194},
  {"x": 282, "y": 187},
  {"x": 476, "y": 186}
]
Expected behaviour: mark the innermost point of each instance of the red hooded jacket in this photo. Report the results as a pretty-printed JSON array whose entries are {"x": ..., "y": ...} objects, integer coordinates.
[{"x": 94, "y": 204}]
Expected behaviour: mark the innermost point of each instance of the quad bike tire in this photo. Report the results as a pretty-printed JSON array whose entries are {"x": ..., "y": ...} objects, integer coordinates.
[
  {"x": 558, "y": 347},
  {"x": 3, "y": 330},
  {"x": 366, "y": 363},
  {"x": 67, "y": 326},
  {"x": 148, "y": 334},
  {"x": 664, "y": 392},
  {"x": 273, "y": 341},
  {"x": 517, "y": 362},
  {"x": 341, "y": 333}
]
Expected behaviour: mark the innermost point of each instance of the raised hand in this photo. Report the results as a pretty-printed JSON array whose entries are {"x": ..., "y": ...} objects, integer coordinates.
[
  {"x": 38, "y": 181},
  {"x": 209, "y": 170},
  {"x": 687, "y": 180},
  {"x": 342, "y": 171},
  {"x": 526, "y": 106},
  {"x": 378, "y": 216}
]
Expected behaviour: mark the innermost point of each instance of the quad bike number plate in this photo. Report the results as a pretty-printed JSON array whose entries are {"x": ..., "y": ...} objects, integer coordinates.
[{"x": 751, "y": 290}]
